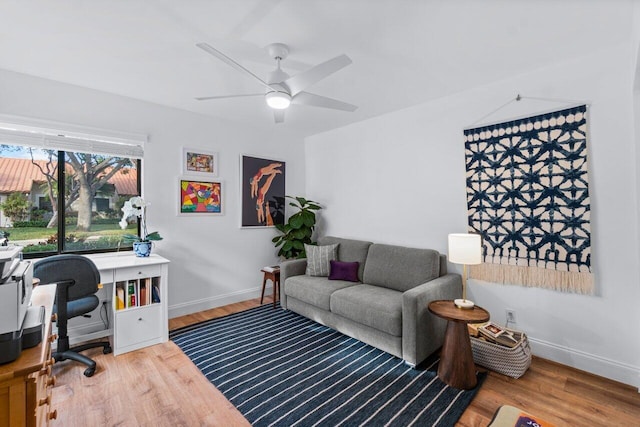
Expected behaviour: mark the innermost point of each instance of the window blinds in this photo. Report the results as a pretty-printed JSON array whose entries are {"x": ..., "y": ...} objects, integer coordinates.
[{"x": 48, "y": 135}]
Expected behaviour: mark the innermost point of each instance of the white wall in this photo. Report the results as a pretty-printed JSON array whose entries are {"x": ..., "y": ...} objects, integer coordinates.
[
  {"x": 213, "y": 261},
  {"x": 635, "y": 70},
  {"x": 400, "y": 179}
]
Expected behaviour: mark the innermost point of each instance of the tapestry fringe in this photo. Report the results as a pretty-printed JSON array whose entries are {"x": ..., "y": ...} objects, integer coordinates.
[{"x": 565, "y": 281}]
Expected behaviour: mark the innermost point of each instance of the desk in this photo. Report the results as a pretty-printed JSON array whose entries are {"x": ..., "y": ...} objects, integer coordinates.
[
  {"x": 26, "y": 383},
  {"x": 142, "y": 323},
  {"x": 456, "y": 367}
]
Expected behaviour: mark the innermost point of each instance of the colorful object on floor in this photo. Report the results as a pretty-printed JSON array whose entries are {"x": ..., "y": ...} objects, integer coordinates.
[
  {"x": 509, "y": 416},
  {"x": 279, "y": 368},
  {"x": 528, "y": 196}
]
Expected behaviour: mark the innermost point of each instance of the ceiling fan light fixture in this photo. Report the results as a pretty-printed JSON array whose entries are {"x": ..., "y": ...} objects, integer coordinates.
[
  {"x": 282, "y": 89},
  {"x": 278, "y": 100}
]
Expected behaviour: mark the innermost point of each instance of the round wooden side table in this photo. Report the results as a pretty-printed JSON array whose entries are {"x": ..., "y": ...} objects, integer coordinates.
[{"x": 456, "y": 367}]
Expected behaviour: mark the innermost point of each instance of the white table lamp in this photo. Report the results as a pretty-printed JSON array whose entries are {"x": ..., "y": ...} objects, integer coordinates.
[{"x": 465, "y": 249}]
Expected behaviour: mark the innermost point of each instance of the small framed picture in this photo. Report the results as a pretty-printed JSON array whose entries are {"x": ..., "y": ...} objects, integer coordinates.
[
  {"x": 199, "y": 162},
  {"x": 200, "y": 197}
]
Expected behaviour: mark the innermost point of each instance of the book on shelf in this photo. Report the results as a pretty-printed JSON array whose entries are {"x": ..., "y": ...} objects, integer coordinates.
[
  {"x": 131, "y": 293},
  {"x": 271, "y": 268},
  {"x": 137, "y": 293},
  {"x": 155, "y": 294},
  {"x": 120, "y": 298},
  {"x": 144, "y": 292}
]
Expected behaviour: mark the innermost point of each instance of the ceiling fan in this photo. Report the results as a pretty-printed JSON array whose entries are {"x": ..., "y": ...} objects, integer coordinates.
[{"x": 282, "y": 89}]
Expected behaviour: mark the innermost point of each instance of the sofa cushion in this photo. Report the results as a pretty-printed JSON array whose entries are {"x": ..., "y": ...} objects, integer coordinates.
[
  {"x": 400, "y": 268},
  {"x": 318, "y": 258},
  {"x": 344, "y": 271},
  {"x": 379, "y": 308},
  {"x": 314, "y": 290},
  {"x": 349, "y": 250}
]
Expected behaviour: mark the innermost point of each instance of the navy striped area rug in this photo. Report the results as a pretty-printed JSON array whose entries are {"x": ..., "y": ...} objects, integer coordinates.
[{"x": 282, "y": 369}]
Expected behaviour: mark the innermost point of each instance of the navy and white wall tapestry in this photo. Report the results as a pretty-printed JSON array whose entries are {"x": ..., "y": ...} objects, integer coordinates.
[{"x": 528, "y": 196}]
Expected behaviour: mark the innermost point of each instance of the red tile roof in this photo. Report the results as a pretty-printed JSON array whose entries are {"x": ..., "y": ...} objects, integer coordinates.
[
  {"x": 126, "y": 182},
  {"x": 20, "y": 174}
]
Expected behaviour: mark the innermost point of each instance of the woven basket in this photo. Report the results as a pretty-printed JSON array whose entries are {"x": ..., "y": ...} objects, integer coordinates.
[{"x": 512, "y": 362}]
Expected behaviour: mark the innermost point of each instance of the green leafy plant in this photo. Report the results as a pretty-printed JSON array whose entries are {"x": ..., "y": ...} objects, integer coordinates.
[
  {"x": 298, "y": 230},
  {"x": 16, "y": 207}
]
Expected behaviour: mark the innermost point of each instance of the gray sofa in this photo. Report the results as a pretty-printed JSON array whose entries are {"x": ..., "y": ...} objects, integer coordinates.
[{"x": 388, "y": 307}]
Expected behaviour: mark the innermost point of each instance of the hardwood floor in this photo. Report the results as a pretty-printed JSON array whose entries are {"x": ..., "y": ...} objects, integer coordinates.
[
  {"x": 154, "y": 386},
  {"x": 159, "y": 386}
]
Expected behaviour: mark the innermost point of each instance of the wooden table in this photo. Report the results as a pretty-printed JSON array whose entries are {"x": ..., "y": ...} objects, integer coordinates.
[
  {"x": 274, "y": 276},
  {"x": 26, "y": 383},
  {"x": 456, "y": 367}
]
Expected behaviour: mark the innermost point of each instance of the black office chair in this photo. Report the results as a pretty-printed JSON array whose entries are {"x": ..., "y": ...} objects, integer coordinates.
[{"x": 77, "y": 278}]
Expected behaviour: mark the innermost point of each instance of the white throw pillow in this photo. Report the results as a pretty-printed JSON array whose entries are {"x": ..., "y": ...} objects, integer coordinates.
[{"x": 318, "y": 259}]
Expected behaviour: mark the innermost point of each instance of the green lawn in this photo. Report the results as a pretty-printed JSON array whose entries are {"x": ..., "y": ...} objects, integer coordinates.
[{"x": 29, "y": 233}]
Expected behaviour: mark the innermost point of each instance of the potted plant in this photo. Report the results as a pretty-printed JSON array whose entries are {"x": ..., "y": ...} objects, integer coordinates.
[
  {"x": 137, "y": 207},
  {"x": 298, "y": 229}
]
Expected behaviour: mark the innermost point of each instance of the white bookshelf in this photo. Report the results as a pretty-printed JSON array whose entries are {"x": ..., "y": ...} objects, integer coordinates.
[{"x": 141, "y": 283}]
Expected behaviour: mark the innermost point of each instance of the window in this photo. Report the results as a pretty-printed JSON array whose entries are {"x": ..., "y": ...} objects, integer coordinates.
[
  {"x": 62, "y": 192},
  {"x": 102, "y": 204},
  {"x": 44, "y": 204},
  {"x": 37, "y": 218}
]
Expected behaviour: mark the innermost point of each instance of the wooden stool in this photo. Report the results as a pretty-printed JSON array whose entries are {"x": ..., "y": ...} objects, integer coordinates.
[{"x": 274, "y": 276}]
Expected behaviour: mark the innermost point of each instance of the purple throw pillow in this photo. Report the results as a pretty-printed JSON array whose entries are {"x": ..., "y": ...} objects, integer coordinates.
[{"x": 344, "y": 271}]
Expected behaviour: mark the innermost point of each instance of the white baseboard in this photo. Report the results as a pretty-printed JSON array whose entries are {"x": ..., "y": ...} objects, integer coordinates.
[
  {"x": 597, "y": 365},
  {"x": 190, "y": 307}
]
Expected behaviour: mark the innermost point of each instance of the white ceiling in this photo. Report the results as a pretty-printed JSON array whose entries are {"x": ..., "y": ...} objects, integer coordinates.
[{"x": 404, "y": 52}]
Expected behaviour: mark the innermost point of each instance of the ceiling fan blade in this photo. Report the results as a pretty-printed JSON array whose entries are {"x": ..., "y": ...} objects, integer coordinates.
[
  {"x": 221, "y": 56},
  {"x": 206, "y": 98},
  {"x": 306, "y": 98},
  {"x": 301, "y": 81},
  {"x": 278, "y": 116}
]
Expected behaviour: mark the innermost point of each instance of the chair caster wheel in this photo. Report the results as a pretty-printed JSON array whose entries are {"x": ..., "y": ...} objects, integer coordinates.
[
  {"x": 107, "y": 350},
  {"x": 89, "y": 372}
]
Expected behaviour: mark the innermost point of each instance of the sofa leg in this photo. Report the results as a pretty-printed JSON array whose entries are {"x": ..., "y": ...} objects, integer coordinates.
[{"x": 411, "y": 365}]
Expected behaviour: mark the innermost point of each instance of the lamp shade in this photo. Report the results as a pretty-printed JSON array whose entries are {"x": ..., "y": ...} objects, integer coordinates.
[{"x": 465, "y": 248}]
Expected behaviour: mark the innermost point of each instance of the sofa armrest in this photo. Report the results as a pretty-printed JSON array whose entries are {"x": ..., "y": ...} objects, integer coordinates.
[
  {"x": 293, "y": 267},
  {"x": 423, "y": 332}
]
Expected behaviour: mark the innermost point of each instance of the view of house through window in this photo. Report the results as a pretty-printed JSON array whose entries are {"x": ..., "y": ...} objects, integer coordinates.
[{"x": 47, "y": 210}]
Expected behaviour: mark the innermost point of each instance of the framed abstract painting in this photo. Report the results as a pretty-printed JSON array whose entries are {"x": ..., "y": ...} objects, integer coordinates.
[
  {"x": 199, "y": 162},
  {"x": 200, "y": 197},
  {"x": 262, "y": 184}
]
